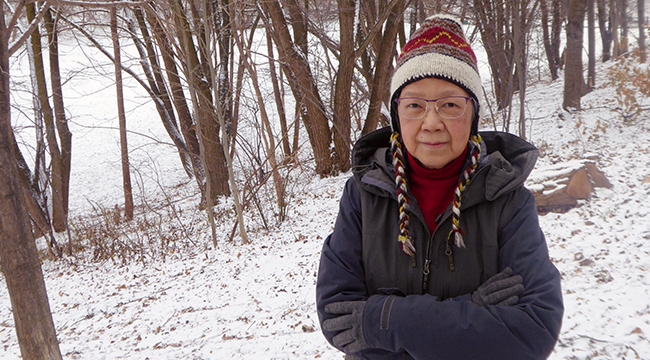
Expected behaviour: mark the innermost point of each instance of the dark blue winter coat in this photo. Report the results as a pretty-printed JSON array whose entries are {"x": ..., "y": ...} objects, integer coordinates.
[{"x": 362, "y": 260}]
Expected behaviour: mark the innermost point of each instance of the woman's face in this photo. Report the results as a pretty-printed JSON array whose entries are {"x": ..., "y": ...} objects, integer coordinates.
[{"x": 433, "y": 140}]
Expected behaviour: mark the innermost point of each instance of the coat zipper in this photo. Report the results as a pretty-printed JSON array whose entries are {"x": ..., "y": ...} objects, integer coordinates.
[
  {"x": 411, "y": 281},
  {"x": 427, "y": 264}
]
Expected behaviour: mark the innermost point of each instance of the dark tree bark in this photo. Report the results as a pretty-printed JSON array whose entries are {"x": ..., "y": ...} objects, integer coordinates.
[
  {"x": 153, "y": 73},
  {"x": 65, "y": 136},
  {"x": 591, "y": 29},
  {"x": 379, "y": 94},
  {"x": 642, "y": 46},
  {"x": 124, "y": 148},
  {"x": 298, "y": 71},
  {"x": 179, "y": 101},
  {"x": 18, "y": 254},
  {"x": 343, "y": 85},
  {"x": 614, "y": 18},
  {"x": 604, "y": 26},
  {"x": 553, "y": 66},
  {"x": 59, "y": 213},
  {"x": 556, "y": 30},
  {"x": 574, "y": 83},
  {"x": 206, "y": 114},
  {"x": 494, "y": 23},
  {"x": 279, "y": 100},
  {"x": 624, "y": 26}
]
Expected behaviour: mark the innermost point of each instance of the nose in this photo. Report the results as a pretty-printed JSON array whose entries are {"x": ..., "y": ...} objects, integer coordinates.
[{"x": 432, "y": 120}]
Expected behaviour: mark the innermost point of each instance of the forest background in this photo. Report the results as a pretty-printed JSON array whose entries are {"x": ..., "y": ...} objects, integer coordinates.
[{"x": 255, "y": 100}]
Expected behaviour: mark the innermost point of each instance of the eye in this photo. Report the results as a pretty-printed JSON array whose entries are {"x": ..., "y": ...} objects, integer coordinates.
[
  {"x": 412, "y": 104},
  {"x": 450, "y": 104}
]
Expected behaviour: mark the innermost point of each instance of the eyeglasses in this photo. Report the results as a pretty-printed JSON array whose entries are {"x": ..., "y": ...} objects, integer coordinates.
[{"x": 449, "y": 107}]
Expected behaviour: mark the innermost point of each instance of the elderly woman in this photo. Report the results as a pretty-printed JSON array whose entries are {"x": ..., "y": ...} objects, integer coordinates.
[{"x": 437, "y": 251}]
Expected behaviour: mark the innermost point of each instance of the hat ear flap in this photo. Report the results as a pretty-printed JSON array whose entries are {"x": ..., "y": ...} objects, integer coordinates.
[
  {"x": 394, "y": 116},
  {"x": 475, "y": 116}
]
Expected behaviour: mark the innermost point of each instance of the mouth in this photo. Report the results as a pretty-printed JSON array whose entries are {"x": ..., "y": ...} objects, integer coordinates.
[{"x": 433, "y": 144}]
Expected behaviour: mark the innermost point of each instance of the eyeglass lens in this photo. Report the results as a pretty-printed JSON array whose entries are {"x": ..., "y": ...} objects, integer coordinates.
[{"x": 448, "y": 107}]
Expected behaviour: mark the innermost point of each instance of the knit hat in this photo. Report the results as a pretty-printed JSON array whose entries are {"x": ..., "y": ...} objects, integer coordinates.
[{"x": 437, "y": 49}]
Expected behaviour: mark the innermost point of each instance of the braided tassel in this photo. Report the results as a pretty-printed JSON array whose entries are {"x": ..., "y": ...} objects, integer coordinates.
[
  {"x": 402, "y": 196},
  {"x": 456, "y": 231}
]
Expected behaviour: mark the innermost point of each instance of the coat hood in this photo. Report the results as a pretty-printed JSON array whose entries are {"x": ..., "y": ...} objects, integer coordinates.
[{"x": 506, "y": 161}]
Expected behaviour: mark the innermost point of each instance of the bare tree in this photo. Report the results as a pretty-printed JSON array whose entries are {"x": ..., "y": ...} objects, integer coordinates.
[
  {"x": 615, "y": 23},
  {"x": 124, "y": 149},
  {"x": 152, "y": 71},
  {"x": 523, "y": 12},
  {"x": 605, "y": 29},
  {"x": 551, "y": 38},
  {"x": 591, "y": 29},
  {"x": 298, "y": 71},
  {"x": 624, "y": 43},
  {"x": 493, "y": 20},
  {"x": 504, "y": 27},
  {"x": 574, "y": 83},
  {"x": 18, "y": 254},
  {"x": 343, "y": 86},
  {"x": 207, "y": 124},
  {"x": 59, "y": 212},
  {"x": 386, "y": 50},
  {"x": 65, "y": 136},
  {"x": 641, "y": 20},
  {"x": 179, "y": 100}
]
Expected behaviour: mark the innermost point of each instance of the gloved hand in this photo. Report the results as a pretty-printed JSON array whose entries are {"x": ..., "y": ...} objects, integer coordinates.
[
  {"x": 501, "y": 289},
  {"x": 349, "y": 324}
]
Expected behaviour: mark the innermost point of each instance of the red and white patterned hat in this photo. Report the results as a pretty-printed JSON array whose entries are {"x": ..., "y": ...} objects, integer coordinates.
[{"x": 438, "y": 49}]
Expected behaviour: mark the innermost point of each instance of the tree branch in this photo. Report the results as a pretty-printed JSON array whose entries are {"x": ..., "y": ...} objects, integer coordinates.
[{"x": 23, "y": 38}]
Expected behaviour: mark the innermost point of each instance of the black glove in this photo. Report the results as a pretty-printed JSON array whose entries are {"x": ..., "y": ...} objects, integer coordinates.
[
  {"x": 349, "y": 324},
  {"x": 501, "y": 289}
]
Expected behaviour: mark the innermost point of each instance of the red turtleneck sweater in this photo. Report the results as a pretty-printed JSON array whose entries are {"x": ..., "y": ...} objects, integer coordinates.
[{"x": 434, "y": 189}]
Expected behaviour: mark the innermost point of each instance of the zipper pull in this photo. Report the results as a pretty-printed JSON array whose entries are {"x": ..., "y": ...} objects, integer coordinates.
[
  {"x": 450, "y": 257},
  {"x": 426, "y": 273}
]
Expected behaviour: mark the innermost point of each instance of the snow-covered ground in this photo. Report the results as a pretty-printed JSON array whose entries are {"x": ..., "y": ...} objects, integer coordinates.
[{"x": 256, "y": 301}]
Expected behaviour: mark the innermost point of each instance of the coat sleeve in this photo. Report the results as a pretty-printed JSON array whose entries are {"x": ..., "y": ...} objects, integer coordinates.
[
  {"x": 458, "y": 329},
  {"x": 340, "y": 273}
]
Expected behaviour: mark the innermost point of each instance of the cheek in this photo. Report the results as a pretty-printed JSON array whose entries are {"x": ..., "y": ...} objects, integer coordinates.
[
  {"x": 460, "y": 132},
  {"x": 409, "y": 131}
]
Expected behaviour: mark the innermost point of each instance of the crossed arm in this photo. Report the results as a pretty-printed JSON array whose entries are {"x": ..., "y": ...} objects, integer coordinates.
[{"x": 421, "y": 326}]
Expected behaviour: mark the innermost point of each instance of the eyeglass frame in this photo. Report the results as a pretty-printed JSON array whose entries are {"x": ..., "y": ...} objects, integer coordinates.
[{"x": 435, "y": 106}]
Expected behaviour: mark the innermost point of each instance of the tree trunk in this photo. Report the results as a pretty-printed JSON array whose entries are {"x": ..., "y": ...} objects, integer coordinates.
[
  {"x": 298, "y": 72},
  {"x": 552, "y": 65},
  {"x": 624, "y": 26},
  {"x": 641, "y": 14},
  {"x": 573, "y": 78},
  {"x": 591, "y": 29},
  {"x": 200, "y": 91},
  {"x": 493, "y": 20},
  {"x": 178, "y": 97},
  {"x": 266, "y": 130},
  {"x": 18, "y": 254},
  {"x": 604, "y": 26},
  {"x": 383, "y": 68},
  {"x": 279, "y": 99},
  {"x": 556, "y": 30},
  {"x": 343, "y": 85},
  {"x": 56, "y": 174},
  {"x": 124, "y": 149},
  {"x": 153, "y": 73},
  {"x": 614, "y": 18},
  {"x": 65, "y": 136}
]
